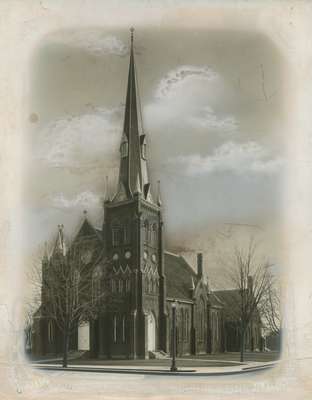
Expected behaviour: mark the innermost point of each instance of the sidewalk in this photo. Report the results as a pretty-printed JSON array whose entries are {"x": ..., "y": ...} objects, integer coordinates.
[{"x": 162, "y": 370}]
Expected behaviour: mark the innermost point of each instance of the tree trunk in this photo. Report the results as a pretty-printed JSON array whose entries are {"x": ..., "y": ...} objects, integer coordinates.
[
  {"x": 242, "y": 342},
  {"x": 65, "y": 349}
]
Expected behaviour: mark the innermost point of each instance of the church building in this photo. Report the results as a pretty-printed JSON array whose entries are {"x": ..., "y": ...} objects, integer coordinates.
[{"x": 129, "y": 263}]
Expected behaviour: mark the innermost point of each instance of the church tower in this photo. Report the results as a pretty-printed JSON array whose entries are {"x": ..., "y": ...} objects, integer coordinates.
[{"x": 133, "y": 234}]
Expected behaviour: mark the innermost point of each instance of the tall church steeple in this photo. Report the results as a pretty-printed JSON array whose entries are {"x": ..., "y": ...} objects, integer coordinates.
[
  {"x": 133, "y": 232},
  {"x": 133, "y": 176}
]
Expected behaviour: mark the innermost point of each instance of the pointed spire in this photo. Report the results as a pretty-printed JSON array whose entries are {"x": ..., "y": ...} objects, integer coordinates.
[
  {"x": 131, "y": 31},
  {"x": 158, "y": 194},
  {"x": 85, "y": 213},
  {"x": 133, "y": 162},
  {"x": 60, "y": 246},
  {"x": 45, "y": 252},
  {"x": 107, "y": 194},
  {"x": 138, "y": 185},
  {"x": 121, "y": 194}
]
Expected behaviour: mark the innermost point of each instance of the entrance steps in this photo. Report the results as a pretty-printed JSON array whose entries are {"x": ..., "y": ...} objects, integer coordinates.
[{"x": 159, "y": 354}]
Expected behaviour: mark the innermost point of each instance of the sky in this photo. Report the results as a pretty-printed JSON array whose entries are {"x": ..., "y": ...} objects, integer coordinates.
[{"x": 213, "y": 111}]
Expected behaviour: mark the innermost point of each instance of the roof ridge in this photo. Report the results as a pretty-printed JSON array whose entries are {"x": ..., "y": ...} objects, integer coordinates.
[
  {"x": 183, "y": 259},
  {"x": 188, "y": 265},
  {"x": 219, "y": 300},
  {"x": 172, "y": 254},
  {"x": 86, "y": 221}
]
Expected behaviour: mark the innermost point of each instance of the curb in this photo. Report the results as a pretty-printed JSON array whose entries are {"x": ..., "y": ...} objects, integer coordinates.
[{"x": 184, "y": 372}]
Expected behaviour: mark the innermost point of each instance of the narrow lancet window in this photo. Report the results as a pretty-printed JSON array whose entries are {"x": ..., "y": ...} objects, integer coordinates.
[
  {"x": 124, "y": 147},
  {"x": 127, "y": 233},
  {"x": 124, "y": 329},
  {"x": 115, "y": 328},
  {"x": 143, "y": 146},
  {"x": 154, "y": 234},
  {"x": 50, "y": 331},
  {"x": 146, "y": 231},
  {"x": 120, "y": 286},
  {"x": 115, "y": 236}
]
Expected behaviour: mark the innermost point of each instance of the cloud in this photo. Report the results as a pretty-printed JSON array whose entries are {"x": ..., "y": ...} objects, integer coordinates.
[
  {"x": 94, "y": 42},
  {"x": 187, "y": 98},
  {"x": 85, "y": 199},
  {"x": 171, "y": 84},
  {"x": 81, "y": 140},
  {"x": 207, "y": 119},
  {"x": 244, "y": 158}
]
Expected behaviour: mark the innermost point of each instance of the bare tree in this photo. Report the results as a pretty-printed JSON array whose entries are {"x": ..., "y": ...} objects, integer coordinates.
[
  {"x": 32, "y": 297},
  {"x": 271, "y": 308},
  {"x": 70, "y": 299},
  {"x": 252, "y": 280},
  {"x": 65, "y": 283}
]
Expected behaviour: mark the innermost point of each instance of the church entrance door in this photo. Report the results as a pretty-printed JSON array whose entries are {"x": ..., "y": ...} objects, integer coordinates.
[
  {"x": 84, "y": 336},
  {"x": 151, "y": 332}
]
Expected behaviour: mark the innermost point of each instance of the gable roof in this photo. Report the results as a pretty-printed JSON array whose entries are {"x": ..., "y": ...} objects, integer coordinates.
[
  {"x": 88, "y": 231},
  {"x": 215, "y": 301},
  {"x": 231, "y": 300},
  {"x": 91, "y": 238},
  {"x": 179, "y": 276}
]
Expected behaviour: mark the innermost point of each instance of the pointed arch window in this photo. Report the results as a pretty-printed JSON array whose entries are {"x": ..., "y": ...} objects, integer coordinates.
[
  {"x": 127, "y": 285},
  {"x": 115, "y": 236},
  {"x": 146, "y": 284},
  {"x": 113, "y": 285},
  {"x": 144, "y": 155},
  {"x": 120, "y": 286},
  {"x": 123, "y": 329},
  {"x": 146, "y": 231},
  {"x": 201, "y": 320},
  {"x": 115, "y": 328},
  {"x": 143, "y": 146},
  {"x": 96, "y": 283},
  {"x": 126, "y": 233},
  {"x": 51, "y": 331},
  {"x": 124, "y": 147},
  {"x": 200, "y": 333},
  {"x": 154, "y": 233},
  {"x": 150, "y": 285},
  {"x": 187, "y": 325}
]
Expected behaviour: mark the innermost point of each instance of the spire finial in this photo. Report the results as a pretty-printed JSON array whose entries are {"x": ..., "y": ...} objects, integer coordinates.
[
  {"x": 138, "y": 185},
  {"x": 107, "y": 194},
  {"x": 131, "y": 31},
  {"x": 60, "y": 242},
  {"x": 192, "y": 284},
  {"x": 158, "y": 194},
  {"x": 45, "y": 254},
  {"x": 85, "y": 213}
]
